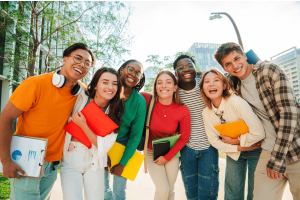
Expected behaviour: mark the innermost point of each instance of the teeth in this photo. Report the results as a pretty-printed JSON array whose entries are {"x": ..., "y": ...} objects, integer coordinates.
[
  {"x": 238, "y": 70},
  {"x": 130, "y": 80},
  {"x": 109, "y": 92},
  {"x": 163, "y": 91},
  {"x": 213, "y": 90},
  {"x": 78, "y": 70},
  {"x": 188, "y": 75}
]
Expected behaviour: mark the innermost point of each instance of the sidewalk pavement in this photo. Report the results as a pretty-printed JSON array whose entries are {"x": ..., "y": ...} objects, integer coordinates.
[{"x": 143, "y": 188}]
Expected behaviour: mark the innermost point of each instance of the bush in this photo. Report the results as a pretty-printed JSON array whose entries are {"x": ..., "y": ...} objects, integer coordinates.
[{"x": 4, "y": 187}]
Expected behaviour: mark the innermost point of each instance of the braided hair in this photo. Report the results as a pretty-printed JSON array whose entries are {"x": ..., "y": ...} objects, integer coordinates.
[
  {"x": 141, "y": 83},
  {"x": 181, "y": 57}
]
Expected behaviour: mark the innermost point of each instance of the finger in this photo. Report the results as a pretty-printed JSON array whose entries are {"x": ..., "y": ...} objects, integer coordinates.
[
  {"x": 268, "y": 173},
  {"x": 272, "y": 175},
  {"x": 279, "y": 175},
  {"x": 21, "y": 171}
]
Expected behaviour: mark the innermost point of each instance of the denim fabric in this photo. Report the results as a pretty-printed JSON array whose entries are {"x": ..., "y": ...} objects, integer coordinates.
[
  {"x": 200, "y": 173},
  {"x": 235, "y": 175},
  {"x": 29, "y": 188},
  {"x": 119, "y": 183}
]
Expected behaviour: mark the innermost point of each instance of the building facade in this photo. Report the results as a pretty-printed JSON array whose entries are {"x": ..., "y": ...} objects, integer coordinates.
[
  {"x": 203, "y": 53},
  {"x": 289, "y": 61}
]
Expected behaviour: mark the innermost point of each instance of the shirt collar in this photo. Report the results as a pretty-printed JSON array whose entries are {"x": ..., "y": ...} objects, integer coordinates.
[{"x": 221, "y": 107}]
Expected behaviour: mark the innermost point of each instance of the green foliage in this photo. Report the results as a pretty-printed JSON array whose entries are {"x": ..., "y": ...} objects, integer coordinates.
[
  {"x": 108, "y": 30},
  {"x": 4, "y": 187},
  {"x": 51, "y": 26}
]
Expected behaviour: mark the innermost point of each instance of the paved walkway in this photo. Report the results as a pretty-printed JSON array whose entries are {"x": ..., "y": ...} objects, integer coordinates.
[{"x": 143, "y": 188}]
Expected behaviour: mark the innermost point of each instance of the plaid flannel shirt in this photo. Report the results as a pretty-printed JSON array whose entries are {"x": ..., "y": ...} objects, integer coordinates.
[{"x": 277, "y": 96}]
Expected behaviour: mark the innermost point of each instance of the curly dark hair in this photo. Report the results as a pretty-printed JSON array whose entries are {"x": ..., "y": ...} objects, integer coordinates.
[
  {"x": 116, "y": 104},
  {"x": 141, "y": 83},
  {"x": 181, "y": 57}
]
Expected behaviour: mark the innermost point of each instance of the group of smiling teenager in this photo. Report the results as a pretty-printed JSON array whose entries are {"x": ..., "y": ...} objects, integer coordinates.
[{"x": 189, "y": 101}]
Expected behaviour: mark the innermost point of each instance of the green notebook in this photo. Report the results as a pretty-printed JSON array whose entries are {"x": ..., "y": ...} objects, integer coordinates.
[{"x": 172, "y": 139}]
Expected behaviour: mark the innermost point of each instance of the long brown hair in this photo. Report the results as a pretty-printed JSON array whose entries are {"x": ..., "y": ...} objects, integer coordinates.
[
  {"x": 116, "y": 104},
  {"x": 176, "y": 98},
  {"x": 226, "y": 92}
]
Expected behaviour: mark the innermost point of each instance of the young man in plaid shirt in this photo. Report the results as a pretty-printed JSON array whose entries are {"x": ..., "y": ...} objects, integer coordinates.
[{"x": 267, "y": 89}]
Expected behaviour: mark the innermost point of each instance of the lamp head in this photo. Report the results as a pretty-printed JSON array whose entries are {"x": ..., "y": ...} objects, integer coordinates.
[{"x": 216, "y": 16}]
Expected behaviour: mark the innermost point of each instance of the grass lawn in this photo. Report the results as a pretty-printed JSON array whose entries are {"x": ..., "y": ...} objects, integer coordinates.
[{"x": 4, "y": 187}]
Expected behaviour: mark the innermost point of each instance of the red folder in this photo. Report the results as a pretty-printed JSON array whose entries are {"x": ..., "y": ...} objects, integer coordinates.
[{"x": 98, "y": 122}]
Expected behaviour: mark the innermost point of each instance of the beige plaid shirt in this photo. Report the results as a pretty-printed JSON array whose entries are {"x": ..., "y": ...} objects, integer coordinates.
[{"x": 277, "y": 96}]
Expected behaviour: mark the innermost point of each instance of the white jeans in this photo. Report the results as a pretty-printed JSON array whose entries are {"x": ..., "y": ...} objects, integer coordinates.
[{"x": 76, "y": 174}]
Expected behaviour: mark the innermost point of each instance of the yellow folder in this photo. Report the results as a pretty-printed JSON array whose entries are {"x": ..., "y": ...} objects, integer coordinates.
[
  {"x": 133, "y": 166},
  {"x": 233, "y": 129}
]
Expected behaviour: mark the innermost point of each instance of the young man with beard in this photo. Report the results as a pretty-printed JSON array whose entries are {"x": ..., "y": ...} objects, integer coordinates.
[
  {"x": 267, "y": 89},
  {"x": 43, "y": 105},
  {"x": 199, "y": 160}
]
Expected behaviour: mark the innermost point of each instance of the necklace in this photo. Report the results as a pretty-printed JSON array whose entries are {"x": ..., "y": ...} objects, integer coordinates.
[{"x": 164, "y": 110}]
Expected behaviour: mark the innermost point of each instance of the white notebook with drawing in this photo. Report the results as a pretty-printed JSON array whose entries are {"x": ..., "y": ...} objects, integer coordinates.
[{"x": 29, "y": 153}]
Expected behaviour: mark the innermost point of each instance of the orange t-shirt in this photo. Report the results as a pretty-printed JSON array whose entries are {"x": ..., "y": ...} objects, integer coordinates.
[{"x": 46, "y": 111}]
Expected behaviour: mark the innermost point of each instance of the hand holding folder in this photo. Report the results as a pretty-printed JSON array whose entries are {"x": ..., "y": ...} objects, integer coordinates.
[
  {"x": 133, "y": 166},
  {"x": 233, "y": 129},
  {"x": 96, "y": 119}
]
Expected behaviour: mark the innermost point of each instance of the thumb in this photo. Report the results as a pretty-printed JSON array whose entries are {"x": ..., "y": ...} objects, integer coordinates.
[
  {"x": 80, "y": 114},
  {"x": 21, "y": 171}
]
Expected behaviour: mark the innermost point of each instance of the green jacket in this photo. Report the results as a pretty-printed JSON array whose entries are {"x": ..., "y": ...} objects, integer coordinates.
[{"x": 132, "y": 123}]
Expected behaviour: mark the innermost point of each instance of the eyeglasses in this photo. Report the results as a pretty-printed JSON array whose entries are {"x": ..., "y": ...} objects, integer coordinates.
[
  {"x": 78, "y": 60},
  {"x": 131, "y": 71},
  {"x": 180, "y": 69}
]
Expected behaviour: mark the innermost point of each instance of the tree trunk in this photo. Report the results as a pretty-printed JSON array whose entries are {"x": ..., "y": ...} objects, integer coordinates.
[{"x": 33, "y": 61}]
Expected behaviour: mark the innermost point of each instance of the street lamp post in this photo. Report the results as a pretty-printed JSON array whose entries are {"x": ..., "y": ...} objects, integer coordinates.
[{"x": 218, "y": 16}]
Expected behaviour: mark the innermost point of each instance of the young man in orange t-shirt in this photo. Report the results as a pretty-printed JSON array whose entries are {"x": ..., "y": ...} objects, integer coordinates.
[{"x": 42, "y": 105}]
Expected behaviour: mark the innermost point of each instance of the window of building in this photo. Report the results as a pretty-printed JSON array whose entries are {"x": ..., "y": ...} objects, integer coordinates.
[
  {"x": 294, "y": 73},
  {"x": 293, "y": 68},
  {"x": 295, "y": 81},
  {"x": 287, "y": 70},
  {"x": 297, "y": 95},
  {"x": 291, "y": 64},
  {"x": 295, "y": 86},
  {"x": 296, "y": 90},
  {"x": 294, "y": 77}
]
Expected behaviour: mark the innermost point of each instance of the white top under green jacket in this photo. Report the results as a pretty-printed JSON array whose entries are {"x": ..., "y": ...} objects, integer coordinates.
[{"x": 235, "y": 109}]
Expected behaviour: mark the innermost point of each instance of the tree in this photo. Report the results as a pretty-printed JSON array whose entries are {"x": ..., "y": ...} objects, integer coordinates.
[
  {"x": 52, "y": 26},
  {"x": 109, "y": 32},
  {"x": 157, "y": 65}
]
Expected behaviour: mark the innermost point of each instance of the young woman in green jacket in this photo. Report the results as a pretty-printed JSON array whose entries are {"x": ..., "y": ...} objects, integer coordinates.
[{"x": 132, "y": 125}]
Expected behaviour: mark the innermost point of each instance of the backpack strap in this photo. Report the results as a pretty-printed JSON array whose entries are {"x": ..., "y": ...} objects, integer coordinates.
[{"x": 149, "y": 116}]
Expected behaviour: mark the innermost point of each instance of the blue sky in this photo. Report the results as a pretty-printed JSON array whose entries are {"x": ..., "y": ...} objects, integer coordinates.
[{"x": 164, "y": 28}]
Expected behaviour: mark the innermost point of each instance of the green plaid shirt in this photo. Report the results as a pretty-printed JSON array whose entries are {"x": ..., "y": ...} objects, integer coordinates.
[{"x": 277, "y": 96}]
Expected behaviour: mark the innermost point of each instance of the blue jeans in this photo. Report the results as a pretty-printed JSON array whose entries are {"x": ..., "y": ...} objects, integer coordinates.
[
  {"x": 119, "y": 183},
  {"x": 28, "y": 188},
  {"x": 235, "y": 175},
  {"x": 200, "y": 173}
]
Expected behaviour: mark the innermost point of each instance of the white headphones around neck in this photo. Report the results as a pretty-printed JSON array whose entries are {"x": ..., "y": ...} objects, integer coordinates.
[{"x": 59, "y": 81}]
